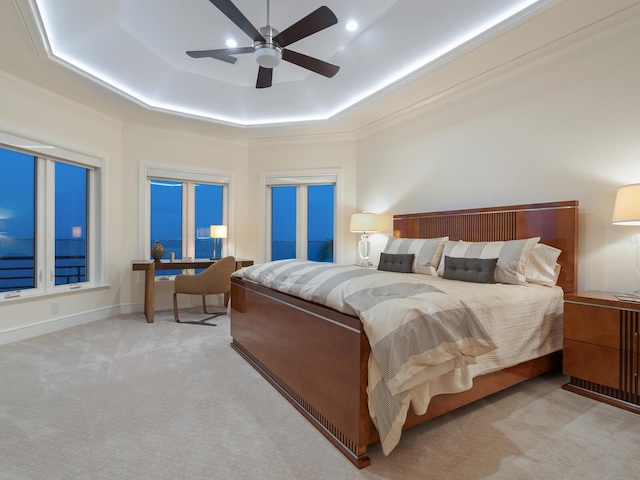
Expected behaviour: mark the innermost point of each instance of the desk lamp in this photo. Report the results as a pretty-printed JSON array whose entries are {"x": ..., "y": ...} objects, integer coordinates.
[{"x": 217, "y": 232}]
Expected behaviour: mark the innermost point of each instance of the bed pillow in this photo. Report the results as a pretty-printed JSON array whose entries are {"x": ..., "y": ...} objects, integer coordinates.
[
  {"x": 398, "y": 262},
  {"x": 477, "y": 270},
  {"x": 542, "y": 267},
  {"x": 427, "y": 252},
  {"x": 512, "y": 257}
]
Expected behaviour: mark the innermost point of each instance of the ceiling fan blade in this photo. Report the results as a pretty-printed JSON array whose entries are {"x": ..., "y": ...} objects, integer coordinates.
[
  {"x": 317, "y": 20},
  {"x": 220, "y": 54},
  {"x": 310, "y": 63},
  {"x": 265, "y": 75},
  {"x": 231, "y": 11}
]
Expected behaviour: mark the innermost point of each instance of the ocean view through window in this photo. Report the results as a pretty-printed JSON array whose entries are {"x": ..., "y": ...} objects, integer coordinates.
[
  {"x": 17, "y": 221},
  {"x": 181, "y": 213},
  {"x": 71, "y": 223},
  {"x": 301, "y": 217},
  {"x": 36, "y": 193}
]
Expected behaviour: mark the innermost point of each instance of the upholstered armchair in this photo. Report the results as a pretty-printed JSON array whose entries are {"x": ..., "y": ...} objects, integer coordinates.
[{"x": 216, "y": 279}]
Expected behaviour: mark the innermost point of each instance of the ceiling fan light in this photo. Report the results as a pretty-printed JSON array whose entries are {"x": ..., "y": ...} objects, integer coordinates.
[{"x": 268, "y": 57}]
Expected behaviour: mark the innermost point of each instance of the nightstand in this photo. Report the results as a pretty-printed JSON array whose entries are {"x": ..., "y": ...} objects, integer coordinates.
[{"x": 601, "y": 349}]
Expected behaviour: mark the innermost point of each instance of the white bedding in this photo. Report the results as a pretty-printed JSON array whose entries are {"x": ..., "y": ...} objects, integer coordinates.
[{"x": 523, "y": 321}]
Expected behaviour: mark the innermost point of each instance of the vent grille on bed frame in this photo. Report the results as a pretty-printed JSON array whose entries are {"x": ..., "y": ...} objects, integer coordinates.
[
  {"x": 320, "y": 420},
  {"x": 330, "y": 427}
]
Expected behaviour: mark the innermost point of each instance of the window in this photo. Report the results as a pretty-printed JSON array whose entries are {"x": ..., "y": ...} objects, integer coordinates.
[
  {"x": 320, "y": 224},
  {"x": 283, "y": 222},
  {"x": 49, "y": 219},
  {"x": 71, "y": 223},
  {"x": 301, "y": 216},
  {"x": 181, "y": 208},
  {"x": 17, "y": 221}
]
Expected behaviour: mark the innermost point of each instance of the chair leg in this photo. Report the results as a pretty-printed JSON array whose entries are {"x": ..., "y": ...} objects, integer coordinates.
[
  {"x": 175, "y": 307},
  {"x": 204, "y": 321},
  {"x": 204, "y": 308},
  {"x": 204, "y": 304}
]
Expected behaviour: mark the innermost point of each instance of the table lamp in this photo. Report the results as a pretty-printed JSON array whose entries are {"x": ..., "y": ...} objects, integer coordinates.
[
  {"x": 217, "y": 232},
  {"x": 626, "y": 211},
  {"x": 363, "y": 223}
]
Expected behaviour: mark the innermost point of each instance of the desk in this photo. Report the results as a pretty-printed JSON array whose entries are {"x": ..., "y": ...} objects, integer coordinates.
[{"x": 149, "y": 267}]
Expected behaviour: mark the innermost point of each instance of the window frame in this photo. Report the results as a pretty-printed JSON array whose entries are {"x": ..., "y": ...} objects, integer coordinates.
[
  {"x": 185, "y": 175},
  {"x": 46, "y": 156},
  {"x": 300, "y": 179}
]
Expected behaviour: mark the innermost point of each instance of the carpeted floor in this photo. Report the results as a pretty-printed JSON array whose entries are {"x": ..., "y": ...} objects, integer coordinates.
[{"x": 122, "y": 399}]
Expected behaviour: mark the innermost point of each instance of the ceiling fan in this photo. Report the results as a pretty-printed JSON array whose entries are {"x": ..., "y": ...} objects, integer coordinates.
[{"x": 269, "y": 44}]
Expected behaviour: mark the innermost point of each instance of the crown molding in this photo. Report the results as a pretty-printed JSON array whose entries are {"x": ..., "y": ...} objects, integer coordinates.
[
  {"x": 18, "y": 79},
  {"x": 585, "y": 36}
]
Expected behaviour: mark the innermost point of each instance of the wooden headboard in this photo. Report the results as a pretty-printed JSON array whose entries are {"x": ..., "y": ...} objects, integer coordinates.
[{"x": 556, "y": 223}]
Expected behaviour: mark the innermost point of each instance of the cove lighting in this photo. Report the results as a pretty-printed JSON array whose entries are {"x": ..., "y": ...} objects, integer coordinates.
[
  {"x": 431, "y": 58},
  {"x": 58, "y": 50}
]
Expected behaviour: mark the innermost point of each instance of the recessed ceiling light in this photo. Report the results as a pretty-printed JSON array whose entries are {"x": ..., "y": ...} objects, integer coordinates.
[
  {"x": 352, "y": 25},
  {"x": 231, "y": 43}
]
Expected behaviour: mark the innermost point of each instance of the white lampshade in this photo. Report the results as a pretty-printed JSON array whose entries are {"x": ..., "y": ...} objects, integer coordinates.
[
  {"x": 627, "y": 208},
  {"x": 364, "y": 222},
  {"x": 218, "y": 231}
]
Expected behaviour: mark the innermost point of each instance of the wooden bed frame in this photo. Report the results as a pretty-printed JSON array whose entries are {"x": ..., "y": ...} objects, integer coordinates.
[{"x": 317, "y": 357}]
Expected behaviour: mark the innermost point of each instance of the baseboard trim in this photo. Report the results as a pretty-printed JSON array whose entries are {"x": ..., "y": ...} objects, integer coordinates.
[{"x": 24, "y": 332}]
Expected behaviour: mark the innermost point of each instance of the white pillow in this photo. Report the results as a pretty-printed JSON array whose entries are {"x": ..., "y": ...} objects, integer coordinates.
[
  {"x": 542, "y": 266},
  {"x": 512, "y": 256},
  {"x": 426, "y": 251}
]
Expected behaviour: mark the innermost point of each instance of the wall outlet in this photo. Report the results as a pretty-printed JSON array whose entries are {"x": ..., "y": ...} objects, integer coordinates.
[{"x": 55, "y": 307}]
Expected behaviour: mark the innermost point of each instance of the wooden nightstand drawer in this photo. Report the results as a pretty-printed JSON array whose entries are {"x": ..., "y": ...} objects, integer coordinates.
[
  {"x": 601, "y": 348},
  {"x": 592, "y": 363},
  {"x": 597, "y": 325}
]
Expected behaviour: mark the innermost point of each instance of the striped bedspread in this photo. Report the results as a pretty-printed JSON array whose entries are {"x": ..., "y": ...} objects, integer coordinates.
[{"x": 416, "y": 331}]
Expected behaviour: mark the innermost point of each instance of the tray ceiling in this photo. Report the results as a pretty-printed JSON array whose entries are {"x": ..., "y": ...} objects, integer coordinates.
[{"x": 137, "y": 49}]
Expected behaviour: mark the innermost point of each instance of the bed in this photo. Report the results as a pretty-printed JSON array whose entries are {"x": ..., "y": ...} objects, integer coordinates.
[{"x": 319, "y": 357}]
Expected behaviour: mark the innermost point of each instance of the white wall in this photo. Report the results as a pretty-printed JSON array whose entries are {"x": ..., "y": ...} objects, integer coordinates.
[
  {"x": 33, "y": 113},
  {"x": 332, "y": 152},
  {"x": 564, "y": 128},
  {"x": 189, "y": 152}
]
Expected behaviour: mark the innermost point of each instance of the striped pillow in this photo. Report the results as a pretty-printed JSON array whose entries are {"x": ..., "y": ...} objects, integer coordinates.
[
  {"x": 426, "y": 251},
  {"x": 512, "y": 256}
]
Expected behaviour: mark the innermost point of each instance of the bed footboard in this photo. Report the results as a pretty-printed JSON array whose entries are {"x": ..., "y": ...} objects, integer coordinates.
[{"x": 315, "y": 357}]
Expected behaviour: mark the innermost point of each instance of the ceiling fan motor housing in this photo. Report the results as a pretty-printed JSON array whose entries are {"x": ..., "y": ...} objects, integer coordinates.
[{"x": 267, "y": 54}]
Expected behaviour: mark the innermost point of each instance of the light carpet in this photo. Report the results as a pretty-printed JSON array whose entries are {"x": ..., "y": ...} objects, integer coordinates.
[{"x": 123, "y": 399}]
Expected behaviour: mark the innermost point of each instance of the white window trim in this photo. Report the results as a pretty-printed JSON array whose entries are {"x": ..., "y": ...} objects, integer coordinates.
[
  {"x": 299, "y": 177},
  {"x": 189, "y": 174},
  {"x": 97, "y": 268}
]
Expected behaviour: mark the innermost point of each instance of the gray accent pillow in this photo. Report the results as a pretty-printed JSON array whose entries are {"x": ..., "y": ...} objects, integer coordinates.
[
  {"x": 477, "y": 270},
  {"x": 512, "y": 256},
  {"x": 427, "y": 252},
  {"x": 398, "y": 262}
]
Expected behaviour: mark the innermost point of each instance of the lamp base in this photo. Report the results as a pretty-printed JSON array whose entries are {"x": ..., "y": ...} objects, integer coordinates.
[
  {"x": 365, "y": 264},
  {"x": 363, "y": 251}
]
